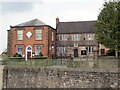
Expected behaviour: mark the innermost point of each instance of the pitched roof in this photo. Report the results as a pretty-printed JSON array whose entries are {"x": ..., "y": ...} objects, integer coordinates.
[
  {"x": 76, "y": 27},
  {"x": 34, "y": 22}
]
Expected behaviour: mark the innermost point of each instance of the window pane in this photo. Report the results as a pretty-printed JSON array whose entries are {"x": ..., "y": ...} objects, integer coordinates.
[
  {"x": 52, "y": 36},
  {"x": 20, "y": 35},
  {"x": 37, "y": 50},
  {"x": 29, "y": 48},
  {"x": 38, "y": 34},
  {"x": 19, "y": 49},
  {"x": 52, "y": 48}
]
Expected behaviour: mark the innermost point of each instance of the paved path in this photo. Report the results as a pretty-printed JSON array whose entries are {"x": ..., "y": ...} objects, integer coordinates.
[{"x": 1, "y": 75}]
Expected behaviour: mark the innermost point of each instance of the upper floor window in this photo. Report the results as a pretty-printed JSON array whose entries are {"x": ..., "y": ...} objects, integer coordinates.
[
  {"x": 75, "y": 37},
  {"x": 52, "y": 36},
  {"x": 59, "y": 37},
  {"x": 63, "y": 37},
  {"x": 38, "y": 34},
  {"x": 89, "y": 37},
  {"x": 75, "y": 44},
  {"x": 19, "y": 34}
]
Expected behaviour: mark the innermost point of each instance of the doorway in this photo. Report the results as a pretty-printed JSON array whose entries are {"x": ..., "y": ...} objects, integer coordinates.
[
  {"x": 28, "y": 55},
  {"x": 28, "y": 52},
  {"x": 102, "y": 52},
  {"x": 75, "y": 52}
]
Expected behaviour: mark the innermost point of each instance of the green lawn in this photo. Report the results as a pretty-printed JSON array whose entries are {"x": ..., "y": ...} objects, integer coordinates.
[
  {"x": 100, "y": 64},
  {"x": 36, "y": 63},
  {"x": 107, "y": 64}
]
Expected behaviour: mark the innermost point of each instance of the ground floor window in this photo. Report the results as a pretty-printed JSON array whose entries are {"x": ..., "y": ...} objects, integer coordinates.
[
  {"x": 89, "y": 49},
  {"x": 19, "y": 49},
  {"x": 38, "y": 49},
  {"x": 62, "y": 49},
  {"x": 52, "y": 48},
  {"x": 83, "y": 52}
]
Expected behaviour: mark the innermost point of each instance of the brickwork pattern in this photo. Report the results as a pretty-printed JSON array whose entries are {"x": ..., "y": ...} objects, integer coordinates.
[{"x": 12, "y": 40}]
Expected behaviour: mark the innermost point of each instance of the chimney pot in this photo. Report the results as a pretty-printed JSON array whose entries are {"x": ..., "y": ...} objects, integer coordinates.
[{"x": 57, "y": 21}]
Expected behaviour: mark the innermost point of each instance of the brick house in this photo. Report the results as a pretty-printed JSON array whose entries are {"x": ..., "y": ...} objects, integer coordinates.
[
  {"x": 76, "y": 39},
  {"x": 32, "y": 38},
  {"x": 103, "y": 50}
]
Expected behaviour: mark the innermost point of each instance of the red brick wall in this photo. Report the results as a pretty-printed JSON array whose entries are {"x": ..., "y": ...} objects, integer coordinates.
[
  {"x": 52, "y": 43},
  {"x": 103, "y": 47},
  {"x": 46, "y": 33}
]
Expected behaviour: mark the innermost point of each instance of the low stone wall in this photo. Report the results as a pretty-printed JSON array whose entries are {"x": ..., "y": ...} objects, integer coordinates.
[
  {"x": 1, "y": 75},
  {"x": 27, "y": 77}
]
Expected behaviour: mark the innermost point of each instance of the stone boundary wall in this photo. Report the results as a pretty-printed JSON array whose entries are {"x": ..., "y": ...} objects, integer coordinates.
[{"x": 32, "y": 77}]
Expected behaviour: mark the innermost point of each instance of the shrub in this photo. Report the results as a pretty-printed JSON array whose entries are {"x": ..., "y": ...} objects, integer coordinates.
[
  {"x": 111, "y": 52},
  {"x": 17, "y": 55},
  {"x": 40, "y": 54},
  {"x": 4, "y": 57}
]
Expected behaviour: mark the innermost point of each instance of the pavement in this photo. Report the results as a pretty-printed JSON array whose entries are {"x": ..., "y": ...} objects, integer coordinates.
[{"x": 1, "y": 75}]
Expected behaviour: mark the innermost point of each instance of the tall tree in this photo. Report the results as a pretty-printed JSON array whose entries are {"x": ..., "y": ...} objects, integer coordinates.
[{"x": 108, "y": 26}]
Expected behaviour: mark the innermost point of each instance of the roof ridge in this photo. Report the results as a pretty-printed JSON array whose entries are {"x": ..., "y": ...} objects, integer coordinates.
[
  {"x": 76, "y": 27},
  {"x": 78, "y": 21},
  {"x": 32, "y": 22}
]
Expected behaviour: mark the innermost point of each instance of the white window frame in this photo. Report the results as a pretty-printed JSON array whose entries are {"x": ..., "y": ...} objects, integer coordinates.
[
  {"x": 89, "y": 49},
  {"x": 89, "y": 37},
  {"x": 53, "y": 48},
  {"x": 38, "y": 34},
  {"x": 60, "y": 38},
  {"x": 20, "y": 47},
  {"x": 36, "y": 52},
  {"x": 79, "y": 36},
  {"x": 52, "y": 36},
  {"x": 73, "y": 37},
  {"x": 75, "y": 44},
  {"x": 19, "y": 34}
]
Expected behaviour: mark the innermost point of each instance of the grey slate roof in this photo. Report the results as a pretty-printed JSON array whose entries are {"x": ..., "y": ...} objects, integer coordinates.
[
  {"x": 34, "y": 22},
  {"x": 76, "y": 27}
]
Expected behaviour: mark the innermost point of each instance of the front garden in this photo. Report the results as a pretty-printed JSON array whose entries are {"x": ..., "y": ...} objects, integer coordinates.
[{"x": 65, "y": 63}]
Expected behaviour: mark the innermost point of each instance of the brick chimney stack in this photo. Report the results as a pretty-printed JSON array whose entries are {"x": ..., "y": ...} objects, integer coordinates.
[{"x": 57, "y": 21}]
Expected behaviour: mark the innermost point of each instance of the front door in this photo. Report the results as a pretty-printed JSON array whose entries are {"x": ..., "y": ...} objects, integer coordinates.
[
  {"x": 75, "y": 52},
  {"x": 28, "y": 55},
  {"x": 102, "y": 52}
]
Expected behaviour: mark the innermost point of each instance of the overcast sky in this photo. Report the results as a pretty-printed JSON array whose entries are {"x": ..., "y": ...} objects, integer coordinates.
[{"x": 13, "y": 12}]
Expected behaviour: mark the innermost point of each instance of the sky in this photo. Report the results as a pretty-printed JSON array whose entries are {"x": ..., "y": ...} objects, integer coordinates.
[{"x": 13, "y": 12}]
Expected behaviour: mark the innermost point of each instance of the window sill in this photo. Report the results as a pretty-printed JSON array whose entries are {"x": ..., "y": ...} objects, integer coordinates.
[
  {"x": 38, "y": 40},
  {"x": 19, "y": 40}
]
